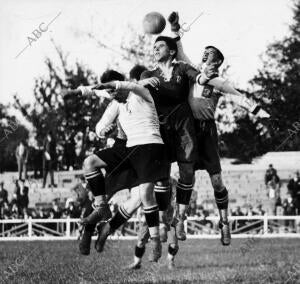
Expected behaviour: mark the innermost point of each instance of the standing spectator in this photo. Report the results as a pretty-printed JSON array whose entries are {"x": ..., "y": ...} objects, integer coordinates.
[
  {"x": 69, "y": 152},
  {"x": 250, "y": 211},
  {"x": 289, "y": 209},
  {"x": 273, "y": 188},
  {"x": 49, "y": 158},
  {"x": 294, "y": 190},
  {"x": 3, "y": 194},
  {"x": 23, "y": 198},
  {"x": 270, "y": 172},
  {"x": 55, "y": 211},
  {"x": 259, "y": 210},
  {"x": 5, "y": 211},
  {"x": 3, "y": 199},
  {"x": 22, "y": 158},
  {"x": 36, "y": 156}
]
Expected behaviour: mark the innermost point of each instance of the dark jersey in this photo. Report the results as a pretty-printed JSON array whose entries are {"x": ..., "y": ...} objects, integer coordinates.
[{"x": 174, "y": 91}]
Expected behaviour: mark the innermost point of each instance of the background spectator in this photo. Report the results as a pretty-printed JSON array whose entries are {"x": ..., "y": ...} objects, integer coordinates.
[
  {"x": 273, "y": 193},
  {"x": 294, "y": 190},
  {"x": 49, "y": 158},
  {"x": 22, "y": 158},
  {"x": 3, "y": 194},
  {"x": 23, "y": 199},
  {"x": 270, "y": 173},
  {"x": 289, "y": 209}
]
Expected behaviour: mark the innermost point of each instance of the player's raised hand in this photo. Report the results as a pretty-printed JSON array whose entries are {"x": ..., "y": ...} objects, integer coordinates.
[
  {"x": 153, "y": 82},
  {"x": 211, "y": 70},
  {"x": 174, "y": 21}
]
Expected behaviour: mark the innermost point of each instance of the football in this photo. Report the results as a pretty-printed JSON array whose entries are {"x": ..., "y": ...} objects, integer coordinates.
[{"x": 154, "y": 23}]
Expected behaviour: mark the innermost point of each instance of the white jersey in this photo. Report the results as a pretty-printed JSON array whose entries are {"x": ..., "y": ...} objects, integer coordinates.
[{"x": 137, "y": 117}]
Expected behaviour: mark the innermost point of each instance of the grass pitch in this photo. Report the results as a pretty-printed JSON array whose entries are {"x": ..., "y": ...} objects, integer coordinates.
[{"x": 198, "y": 261}]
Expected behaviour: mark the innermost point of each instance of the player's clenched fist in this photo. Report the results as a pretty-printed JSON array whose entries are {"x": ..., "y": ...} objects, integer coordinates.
[
  {"x": 174, "y": 21},
  {"x": 211, "y": 71}
]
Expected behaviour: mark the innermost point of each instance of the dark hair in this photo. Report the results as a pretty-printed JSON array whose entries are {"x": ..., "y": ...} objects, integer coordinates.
[
  {"x": 136, "y": 72},
  {"x": 171, "y": 43},
  {"x": 218, "y": 52},
  {"x": 111, "y": 75}
]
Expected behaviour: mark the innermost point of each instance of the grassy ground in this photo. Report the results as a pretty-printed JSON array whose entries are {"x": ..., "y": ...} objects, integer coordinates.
[{"x": 198, "y": 261}]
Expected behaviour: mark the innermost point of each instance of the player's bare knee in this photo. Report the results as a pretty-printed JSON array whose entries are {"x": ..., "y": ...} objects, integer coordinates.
[
  {"x": 165, "y": 182},
  {"x": 186, "y": 173},
  {"x": 92, "y": 162},
  {"x": 217, "y": 182}
]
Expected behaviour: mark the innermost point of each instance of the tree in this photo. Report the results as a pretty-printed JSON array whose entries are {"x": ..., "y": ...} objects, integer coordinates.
[
  {"x": 11, "y": 133},
  {"x": 65, "y": 119},
  {"x": 278, "y": 89}
]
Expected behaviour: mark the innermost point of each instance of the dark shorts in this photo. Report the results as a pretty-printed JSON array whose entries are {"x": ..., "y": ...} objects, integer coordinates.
[
  {"x": 208, "y": 146},
  {"x": 179, "y": 136},
  {"x": 129, "y": 167}
]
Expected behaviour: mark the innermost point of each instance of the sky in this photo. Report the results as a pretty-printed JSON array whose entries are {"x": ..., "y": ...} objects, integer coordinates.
[{"x": 242, "y": 29}]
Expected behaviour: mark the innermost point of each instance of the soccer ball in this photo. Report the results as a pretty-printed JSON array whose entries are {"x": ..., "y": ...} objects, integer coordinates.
[{"x": 154, "y": 23}]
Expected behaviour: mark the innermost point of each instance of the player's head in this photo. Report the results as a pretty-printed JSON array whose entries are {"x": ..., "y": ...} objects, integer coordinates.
[
  {"x": 112, "y": 75},
  {"x": 165, "y": 48},
  {"x": 212, "y": 55},
  {"x": 136, "y": 72}
]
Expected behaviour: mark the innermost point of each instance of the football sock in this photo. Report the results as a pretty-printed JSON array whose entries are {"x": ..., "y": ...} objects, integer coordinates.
[
  {"x": 119, "y": 218},
  {"x": 222, "y": 203},
  {"x": 221, "y": 197},
  {"x": 162, "y": 195},
  {"x": 152, "y": 219},
  {"x": 138, "y": 253},
  {"x": 172, "y": 251},
  {"x": 183, "y": 193},
  {"x": 96, "y": 183}
]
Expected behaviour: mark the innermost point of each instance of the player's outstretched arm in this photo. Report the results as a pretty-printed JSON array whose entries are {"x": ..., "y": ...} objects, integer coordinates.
[
  {"x": 85, "y": 91},
  {"x": 224, "y": 86},
  {"x": 135, "y": 88},
  {"x": 175, "y": 27}
]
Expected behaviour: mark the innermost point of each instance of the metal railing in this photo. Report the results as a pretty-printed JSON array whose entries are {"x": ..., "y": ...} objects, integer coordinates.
[{"x": 197, "y": 228}]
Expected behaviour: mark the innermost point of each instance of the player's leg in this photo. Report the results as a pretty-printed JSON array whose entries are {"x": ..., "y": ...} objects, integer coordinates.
[
  {"x": 209, "y": 152},
  {"x": 162, "y": 194},
  {"x": 139, "y": 250},
  {"x": 92, "y": 167},
  {"x": 86, "y": 238},
  {"x": 184, "y": 191},
  {"x": 172, "y": 248},
  {"x": 221, "y": 197},
  {"x": 152, "y": 219},
  {"x": 186, "y": 151},
  {"x": 123, "y": 214}
]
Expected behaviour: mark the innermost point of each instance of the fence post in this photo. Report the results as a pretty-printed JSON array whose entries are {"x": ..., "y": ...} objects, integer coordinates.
[
  {"x": 68, "y": 227},
  {"x": 265, "y": 232},
  {"x": 29, "y": 227}
]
